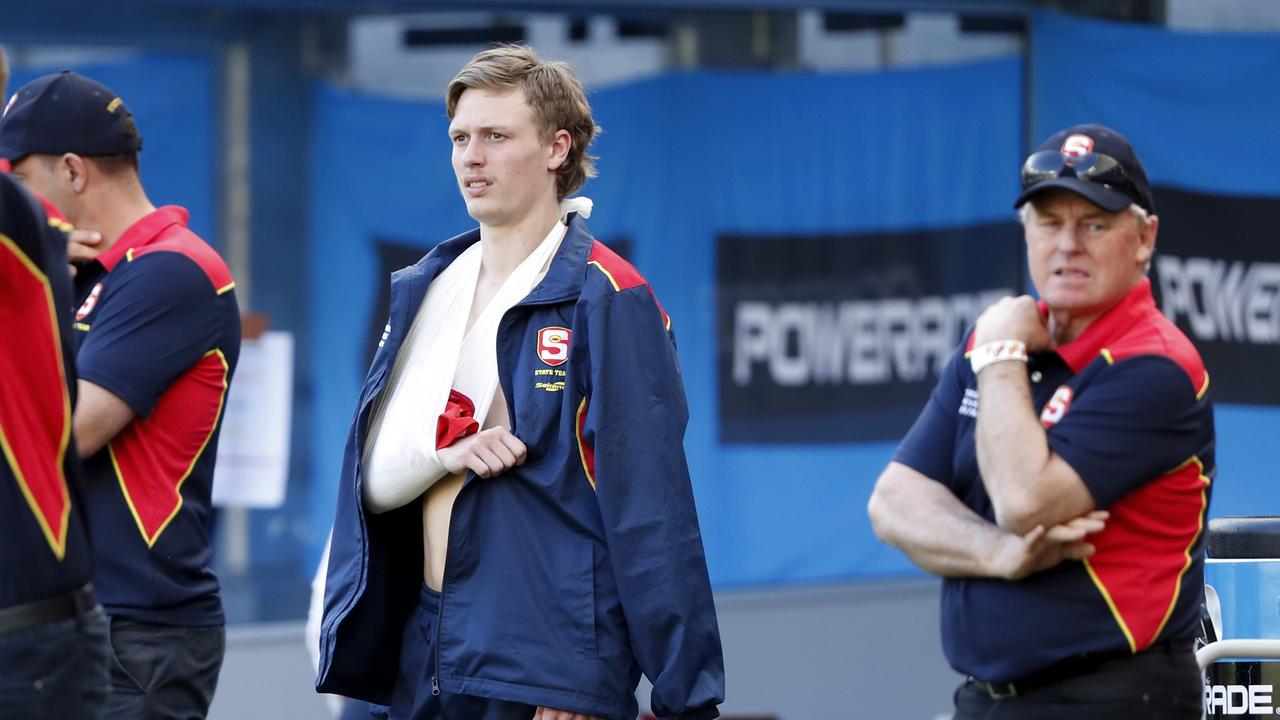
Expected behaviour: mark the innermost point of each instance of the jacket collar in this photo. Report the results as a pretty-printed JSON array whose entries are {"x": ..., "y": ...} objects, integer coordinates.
[
  {"x": 563, "y": 279},
  {"x": 1136, "y": 303},
  {"x": 142, "y": 233},
  {"x": 568, "y": 269}
]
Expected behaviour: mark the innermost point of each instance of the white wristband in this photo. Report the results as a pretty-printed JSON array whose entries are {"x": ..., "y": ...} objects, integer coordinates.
[{"x": 998, "y": 351}]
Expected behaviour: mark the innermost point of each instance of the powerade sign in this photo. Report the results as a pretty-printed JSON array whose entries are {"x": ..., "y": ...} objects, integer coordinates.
[
  {"x": 1241, "y": 689},
  {"x": 1216, "y": 273},
  {"x": 839, "y": 338}
]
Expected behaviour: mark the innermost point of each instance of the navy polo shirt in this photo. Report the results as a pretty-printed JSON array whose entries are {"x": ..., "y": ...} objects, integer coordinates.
[
  {"x": 158, "y": 327},
  {"x": 44, "y": 550},
  {"x": 1126, "y": 404}
]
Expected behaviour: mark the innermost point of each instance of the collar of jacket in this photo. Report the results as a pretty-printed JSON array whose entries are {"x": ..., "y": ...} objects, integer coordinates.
[{"x": 563, "y": 280}]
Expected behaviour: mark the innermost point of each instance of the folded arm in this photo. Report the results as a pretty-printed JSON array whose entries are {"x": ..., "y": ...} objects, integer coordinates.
[
  {"x": 1028, "y": 483},
  {"x": 99, "y": 416},
  {"x": 940, "y": 534}
]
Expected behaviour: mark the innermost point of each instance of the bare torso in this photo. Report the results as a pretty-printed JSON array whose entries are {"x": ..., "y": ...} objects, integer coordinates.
[{"x": 437, "y": 503}]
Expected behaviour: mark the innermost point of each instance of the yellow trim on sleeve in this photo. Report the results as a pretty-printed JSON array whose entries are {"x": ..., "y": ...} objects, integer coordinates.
[
  {"x": 1177, "y": 588},
  {"x": 607, "y": 274},
  {"x": 577, "y": 432}
]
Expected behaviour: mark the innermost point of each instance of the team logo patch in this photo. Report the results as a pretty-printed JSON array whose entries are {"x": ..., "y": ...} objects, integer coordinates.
[
  {"x": 89, "y": 303},
  {"x": 1056, "y": 407},
  {"x": 1077, "y": 145},
  {"x": 553, "y": 345}
]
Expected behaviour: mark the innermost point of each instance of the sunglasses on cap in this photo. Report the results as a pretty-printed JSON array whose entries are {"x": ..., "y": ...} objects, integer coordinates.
[{"x": 1093, "y": 167}]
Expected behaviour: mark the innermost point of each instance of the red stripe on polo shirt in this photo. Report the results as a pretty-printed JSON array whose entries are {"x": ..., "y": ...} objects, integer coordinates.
[
  {"x": 1145, "y": 550},
  {"x": 154, "y": 456}
]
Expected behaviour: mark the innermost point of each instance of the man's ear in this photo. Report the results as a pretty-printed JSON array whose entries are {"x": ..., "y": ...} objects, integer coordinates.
[
  {"x": 1147, "y": 238},
  {"x": 561, "y": 143},
  {"x": 75, "y": 169}
]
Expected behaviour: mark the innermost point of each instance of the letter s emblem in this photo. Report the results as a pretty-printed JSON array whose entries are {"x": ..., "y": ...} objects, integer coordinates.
[
  {"x": 553, "y": 345},
  {"x": 1056, "y": 407}
]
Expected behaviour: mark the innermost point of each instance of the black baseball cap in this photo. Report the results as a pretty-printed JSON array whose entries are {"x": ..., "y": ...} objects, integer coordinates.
[
  {"x": 1092, "y": 161},
  {"x": 66, "y": 112}
]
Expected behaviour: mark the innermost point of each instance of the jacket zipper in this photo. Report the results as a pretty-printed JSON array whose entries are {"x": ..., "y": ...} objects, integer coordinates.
[{"x": 360, "y": 427}]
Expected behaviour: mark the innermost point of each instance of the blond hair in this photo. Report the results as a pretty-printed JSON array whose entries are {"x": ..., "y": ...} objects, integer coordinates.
[{"x": 553, "y": 92}]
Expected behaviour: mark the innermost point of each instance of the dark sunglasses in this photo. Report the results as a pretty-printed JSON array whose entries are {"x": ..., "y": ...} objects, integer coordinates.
[{"x": 1094, "y": 168}]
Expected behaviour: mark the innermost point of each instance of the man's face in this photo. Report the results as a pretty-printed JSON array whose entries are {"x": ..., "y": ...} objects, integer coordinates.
[
  {"x": 40, "y": 174},
  {"x": 504, "y": 167},
  {"x": 1084, "y": 259}
]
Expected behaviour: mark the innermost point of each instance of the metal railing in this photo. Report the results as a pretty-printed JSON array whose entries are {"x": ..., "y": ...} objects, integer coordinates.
[{"x": 1214, "y": 651}]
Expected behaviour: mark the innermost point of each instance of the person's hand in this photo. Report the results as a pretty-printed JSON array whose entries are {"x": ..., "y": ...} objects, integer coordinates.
[
  {"x": 1013, "y": 318},
  {"x": 82, "y": 246},
  {"x": 486, "y": 453},
  {"x": 549, "y": 714},
  {"x": 1041, "y": 549}
]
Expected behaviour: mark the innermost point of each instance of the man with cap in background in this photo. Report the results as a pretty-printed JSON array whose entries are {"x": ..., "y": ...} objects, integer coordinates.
[
  {"x": 80, "y": 243},
  {"x": 53, "y": 633},
  {"x": 157, "y": 334},
  {"x": 1058, "y": 478}
]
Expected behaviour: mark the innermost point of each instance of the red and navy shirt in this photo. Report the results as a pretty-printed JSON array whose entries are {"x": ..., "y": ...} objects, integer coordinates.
[
  {"x": 158, "y": 327},
  {"x": 1126, "y": 404},
  {"x": 44, "y": 548}
]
